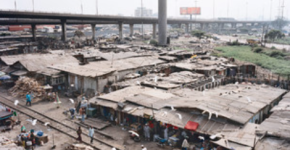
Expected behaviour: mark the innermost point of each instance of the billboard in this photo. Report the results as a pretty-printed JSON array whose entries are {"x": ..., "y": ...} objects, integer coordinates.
[{"x": 189, "y": 10}]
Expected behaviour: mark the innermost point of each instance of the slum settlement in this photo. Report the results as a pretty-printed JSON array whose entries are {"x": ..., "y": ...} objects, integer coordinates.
[{"x": 178, "y": 99}]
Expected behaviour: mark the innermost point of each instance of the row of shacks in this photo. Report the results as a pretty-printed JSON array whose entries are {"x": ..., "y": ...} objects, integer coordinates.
[
  {"x": 164, "y": 88},
  {"x": 94, "y": 69},
  {"x": 231, "y": 112}
]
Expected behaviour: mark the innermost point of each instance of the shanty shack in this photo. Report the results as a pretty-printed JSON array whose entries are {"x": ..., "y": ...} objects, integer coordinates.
[
  {"x": 274, "y": 132},
  {"x": 36, "y": 66},
  {"x": 96, "y": 75},
  {"x": 221, "y": 110}
]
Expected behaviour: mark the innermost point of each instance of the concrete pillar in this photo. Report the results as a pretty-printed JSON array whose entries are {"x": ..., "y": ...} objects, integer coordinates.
[
  {"x": 201, "y": 26},
  {"x": 63, "y": 30},
  {"x": 222, "y": 26},
  {"x": 154, "y": 31},
  {"x": 252, "y": 24},
  {"x": 162, "y": 22},
  {"x": 93, "y": 31},
  {"x": 179, "y": 25},
  {"x": 131, "y": 29},
  {"x": 33, "y": 32},
  {"x": 186, "y": 28},
  {"x": 234, "y": 25},
  {"x": 120, "y": 30}
]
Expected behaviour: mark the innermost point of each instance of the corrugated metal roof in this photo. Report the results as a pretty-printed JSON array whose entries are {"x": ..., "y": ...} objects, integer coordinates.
[{"x": 95, "y": 69}]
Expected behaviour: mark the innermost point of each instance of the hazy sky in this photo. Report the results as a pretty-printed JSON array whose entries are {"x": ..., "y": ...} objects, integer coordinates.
[{"x": 239, "y": 9}]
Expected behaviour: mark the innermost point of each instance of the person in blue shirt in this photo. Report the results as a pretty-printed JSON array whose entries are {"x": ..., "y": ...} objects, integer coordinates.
[{"x": 28, "y": 99}]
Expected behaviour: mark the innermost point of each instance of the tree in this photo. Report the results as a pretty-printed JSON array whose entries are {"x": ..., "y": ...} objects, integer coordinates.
[
  {"x": 79, "y": 33},
  {"x": 274, "y": 34},
  {"x": 197, "y": 33}
]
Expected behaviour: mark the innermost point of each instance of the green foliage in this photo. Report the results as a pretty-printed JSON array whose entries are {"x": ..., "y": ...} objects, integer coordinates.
[
  {"x": 153, "y": 42},
  {"x": 274, "y": 34},
  {"x": 244, "y": 53},
  {"x": 258, "y": 50},
  {"x": 273, "y": 47},
  {"x": 79, "y": 33},
  {"x": 277, "y": 54},
  {"x": 234, "y": 43},
  {"x": 198, "y": 34}
]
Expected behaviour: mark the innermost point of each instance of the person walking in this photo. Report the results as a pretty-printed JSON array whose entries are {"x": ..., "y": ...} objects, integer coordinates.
[
  {"x": 28, "y": 99},
  {"x": 91, "y": 134},
  {"x": 79, "y": 132}
]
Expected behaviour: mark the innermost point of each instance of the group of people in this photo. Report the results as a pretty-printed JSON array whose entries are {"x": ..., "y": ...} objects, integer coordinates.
[
  {"x": 27, "y": 139},
  {"x": 91, "y": 134}
]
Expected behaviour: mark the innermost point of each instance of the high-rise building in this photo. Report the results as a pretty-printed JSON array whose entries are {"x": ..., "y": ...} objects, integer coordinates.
[{"x": 146, "y": 12}]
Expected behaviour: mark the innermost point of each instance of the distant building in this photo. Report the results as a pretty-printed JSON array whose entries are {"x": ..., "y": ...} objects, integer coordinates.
[{"x": 146, "y": 12}]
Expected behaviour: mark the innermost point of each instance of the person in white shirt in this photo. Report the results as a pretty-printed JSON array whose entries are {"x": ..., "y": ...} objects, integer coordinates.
[{"x": 91, "y": 134}]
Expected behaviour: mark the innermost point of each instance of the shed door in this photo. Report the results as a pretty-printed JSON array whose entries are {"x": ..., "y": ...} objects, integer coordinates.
[{"x": 90, "y": 83}]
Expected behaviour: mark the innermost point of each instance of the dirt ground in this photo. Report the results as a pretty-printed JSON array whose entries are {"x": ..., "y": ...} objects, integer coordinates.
[{"x": 61, "y": 141}]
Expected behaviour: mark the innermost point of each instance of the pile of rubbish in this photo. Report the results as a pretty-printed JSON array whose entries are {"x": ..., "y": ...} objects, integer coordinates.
[
  {"x": 24, "y": 85},
  {"x": 5, "y": 143},
  {"x": 79, "y": 147}
]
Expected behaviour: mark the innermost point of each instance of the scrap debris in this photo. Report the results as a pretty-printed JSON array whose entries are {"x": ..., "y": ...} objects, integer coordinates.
[{"x": 26, "y": 84}]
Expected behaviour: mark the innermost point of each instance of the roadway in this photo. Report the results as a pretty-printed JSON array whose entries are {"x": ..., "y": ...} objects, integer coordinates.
[{"x": 107, "y": 19}]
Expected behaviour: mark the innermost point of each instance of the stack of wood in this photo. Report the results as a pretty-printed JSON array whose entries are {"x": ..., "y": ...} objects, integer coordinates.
[
  {"x": 79, "y": 147},
  {"x": 24, "y": 85}
]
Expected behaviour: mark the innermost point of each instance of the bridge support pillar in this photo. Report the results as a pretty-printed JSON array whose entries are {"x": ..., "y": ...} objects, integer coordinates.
[
  {"x": 186, "y": 28},
  {"x": 120, "y": 30},
  {"x": 131, "y": 29},
  {"x": 201, "y": 26},
  {"x": 33, "y": 32},
  {"x": 179, "y": 26},
  {"x": 234, "y": 25},
  {"x": 93, "y": 31},
  {"x": 154, "y": 31},
  {"x": 162, "y": 22},
  {"x": 63, "y": 30}
]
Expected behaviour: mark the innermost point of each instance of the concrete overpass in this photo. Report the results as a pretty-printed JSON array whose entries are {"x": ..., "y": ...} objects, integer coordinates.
[{"x": 35, "y": 18}]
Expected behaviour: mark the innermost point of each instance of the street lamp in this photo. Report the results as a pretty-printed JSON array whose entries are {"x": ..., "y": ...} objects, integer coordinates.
[
  {"x": 97, "y": 5},
  {"x": 82, "y": 6}
]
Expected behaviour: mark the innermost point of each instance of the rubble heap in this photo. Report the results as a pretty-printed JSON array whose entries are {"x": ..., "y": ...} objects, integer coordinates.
[
  {"x": 6, "y": 143},
  {"x": 78, "y": 147},
  {"x": 26, "y": 84}
]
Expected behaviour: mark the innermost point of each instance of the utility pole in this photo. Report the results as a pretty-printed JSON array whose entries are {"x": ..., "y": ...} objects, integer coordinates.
[
  {"x": 97, "y": 9},
  {"x": 271, "y": 10},
  {"x": 282, "y": 15},
  {"x": 195, "y": 12},
  {"x": 15, "y": 5},
  {"x": 228, "y": 9},
  {"x": 213, "y": 9},
  {"x": 33, "y": 5},
  {"x": 247, "y": 10},
  {"x": 142, "y": 17},
  {"x": 82, "y": 6}
]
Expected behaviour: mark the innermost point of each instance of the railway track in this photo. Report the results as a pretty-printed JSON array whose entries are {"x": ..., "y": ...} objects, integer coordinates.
[{"x": 68, "y": 130}]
